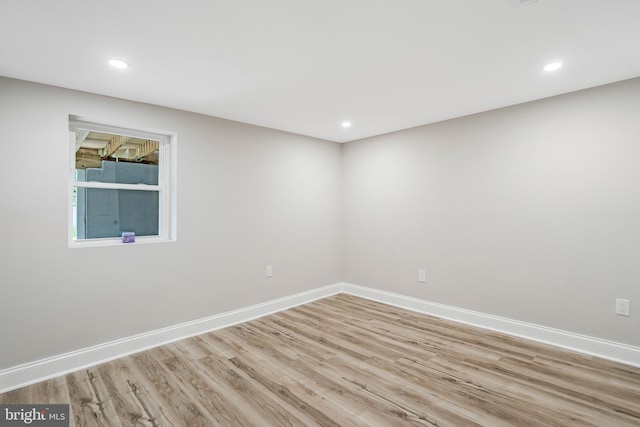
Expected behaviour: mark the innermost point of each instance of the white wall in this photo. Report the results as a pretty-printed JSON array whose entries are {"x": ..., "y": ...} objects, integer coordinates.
[
  {"x": 248, "y": 197},
  {"x": 530, "y": 212}
]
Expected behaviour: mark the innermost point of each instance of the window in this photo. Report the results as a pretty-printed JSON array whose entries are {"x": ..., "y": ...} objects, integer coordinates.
[{"x": 120, "y": 181}]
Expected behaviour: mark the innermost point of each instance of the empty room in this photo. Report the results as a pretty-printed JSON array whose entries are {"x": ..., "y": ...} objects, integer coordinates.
[{"x": 320, "y": 213}]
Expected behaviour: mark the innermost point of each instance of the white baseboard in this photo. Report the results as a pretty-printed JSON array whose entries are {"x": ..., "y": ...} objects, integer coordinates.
[
  {"x": 33, "y": 372},
  {"x": 617, "y": 352},
  {"x": 30, "y": 373}
]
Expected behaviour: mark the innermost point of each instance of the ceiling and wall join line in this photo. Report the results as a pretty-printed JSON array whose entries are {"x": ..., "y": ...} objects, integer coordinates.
[{"x": 525, "y": 212}]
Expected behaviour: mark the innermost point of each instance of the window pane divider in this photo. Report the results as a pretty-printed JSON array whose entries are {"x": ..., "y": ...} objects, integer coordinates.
[{"x": 116, "y": 186}]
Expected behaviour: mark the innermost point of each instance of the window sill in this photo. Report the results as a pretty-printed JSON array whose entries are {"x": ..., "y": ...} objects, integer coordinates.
[{"x": 117, "y": 241}]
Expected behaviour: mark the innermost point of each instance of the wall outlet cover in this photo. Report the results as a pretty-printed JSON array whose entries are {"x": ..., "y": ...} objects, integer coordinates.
[
  {"x": 622, "y": 307},
  {"x": 422, "y": 276}
]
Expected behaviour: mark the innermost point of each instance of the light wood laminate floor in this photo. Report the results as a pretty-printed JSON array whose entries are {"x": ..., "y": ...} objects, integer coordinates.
[{"x": 347, "y": 361}]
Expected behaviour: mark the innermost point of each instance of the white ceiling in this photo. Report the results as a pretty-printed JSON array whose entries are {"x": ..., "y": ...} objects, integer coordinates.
[{"x": 305, "y": 66}]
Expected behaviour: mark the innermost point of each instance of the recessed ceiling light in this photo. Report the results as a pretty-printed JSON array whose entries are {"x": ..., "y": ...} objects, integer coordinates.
[
  {"x": 346, "y": 124},
  {"x": 119, "y": 63},
  {"x": 553, "y": 66}
]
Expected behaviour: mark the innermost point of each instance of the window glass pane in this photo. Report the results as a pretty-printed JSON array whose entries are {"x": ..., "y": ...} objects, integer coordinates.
[
  {"x": 102, "y": 213},
  {"x": 118, "y": 185},
  {"x": 107, "y": 157}
]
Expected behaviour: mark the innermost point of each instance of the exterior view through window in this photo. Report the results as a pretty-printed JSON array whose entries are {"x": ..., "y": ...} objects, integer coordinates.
[{"x": 118, "y": 184}]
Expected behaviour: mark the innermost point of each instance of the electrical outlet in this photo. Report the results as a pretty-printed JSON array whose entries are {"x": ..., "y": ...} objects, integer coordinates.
[
  {"x": 269, "y": 271},
  {"x": 422, "y": 276},
  {"x": 622, "y": 307}
]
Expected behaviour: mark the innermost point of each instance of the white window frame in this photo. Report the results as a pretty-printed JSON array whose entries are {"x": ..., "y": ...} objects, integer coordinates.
[{"x": 166, "y": 182}]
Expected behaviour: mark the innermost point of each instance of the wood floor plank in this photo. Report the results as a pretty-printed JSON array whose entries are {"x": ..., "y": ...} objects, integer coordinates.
[
  {"x": 219, "y": 409},
  {"x": 120, "y": 393},
  {"x": 89, "y": 401},
  {"x": 334, "y": 386},
  {"x": 173, "y": 402},
  {"x": 255, "y": 400},
  {"x": 348, "y": 361}
]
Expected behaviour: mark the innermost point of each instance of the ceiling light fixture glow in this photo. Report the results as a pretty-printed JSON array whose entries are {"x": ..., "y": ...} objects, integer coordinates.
[
  {"x": 346, "y": 124},
  {"x": 119, "y": 64},
  {"x": 552, "y": 66}
]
